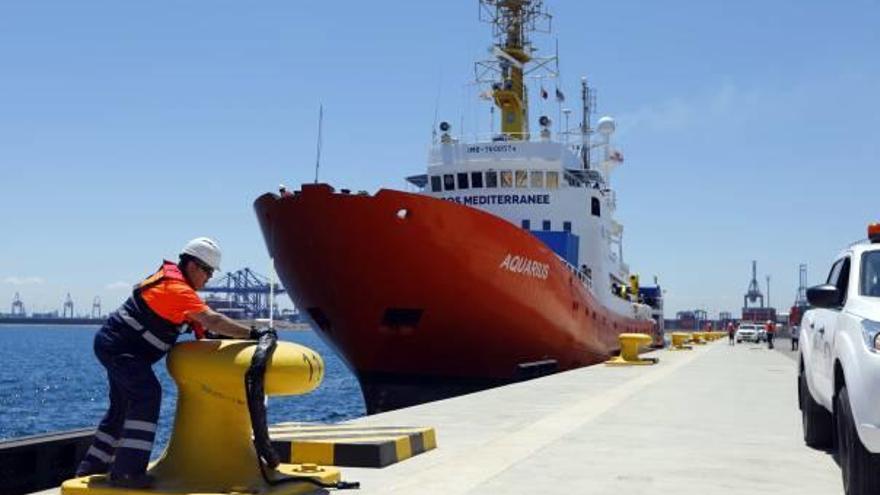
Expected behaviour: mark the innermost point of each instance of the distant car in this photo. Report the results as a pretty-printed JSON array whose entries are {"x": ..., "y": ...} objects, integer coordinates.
[
  {"x": 747, "y": 332},
  {"x": 839, "y": 365}
]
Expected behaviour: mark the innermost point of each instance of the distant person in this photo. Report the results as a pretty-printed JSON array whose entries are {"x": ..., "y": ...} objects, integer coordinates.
[
  {"x": 731, "y": 333},
  {"x": 770, "y": 328},
  {"x": 134, "y": 337},
  {"x": 795, "y": 332}
]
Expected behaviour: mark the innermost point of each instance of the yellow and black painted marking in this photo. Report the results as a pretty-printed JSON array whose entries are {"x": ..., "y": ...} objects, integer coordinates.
[{"x": 349, "y": 445}]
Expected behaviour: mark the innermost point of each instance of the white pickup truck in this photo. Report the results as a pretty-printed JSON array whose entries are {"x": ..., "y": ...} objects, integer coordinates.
[
  {"x": 747, "y": 332},
  {"x": 839, "y": 370}
]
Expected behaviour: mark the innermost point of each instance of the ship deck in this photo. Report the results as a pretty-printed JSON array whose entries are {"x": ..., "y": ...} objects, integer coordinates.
[{"x": 717, "y": 419}]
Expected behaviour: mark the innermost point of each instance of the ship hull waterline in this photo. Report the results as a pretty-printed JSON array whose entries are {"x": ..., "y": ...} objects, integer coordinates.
[{"x": 426, "y": 299}]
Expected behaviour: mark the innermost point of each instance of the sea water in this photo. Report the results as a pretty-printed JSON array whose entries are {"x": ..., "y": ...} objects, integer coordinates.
[{"x": 50, "y": 380}]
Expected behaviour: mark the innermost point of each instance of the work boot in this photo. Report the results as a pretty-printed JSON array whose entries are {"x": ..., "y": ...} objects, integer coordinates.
[
  {"x": 87, "y": 469},
  {"x": 81, "y": 473},
  {"x": 135, "y": 481}
]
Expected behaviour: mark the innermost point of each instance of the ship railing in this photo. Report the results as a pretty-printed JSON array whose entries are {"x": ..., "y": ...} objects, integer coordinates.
[
  {"x": 509, "y": 137},
  {"x": 498, "y": 137},
  {"x": 612, "y": 198},
  {"x": 585, "y": 276}
]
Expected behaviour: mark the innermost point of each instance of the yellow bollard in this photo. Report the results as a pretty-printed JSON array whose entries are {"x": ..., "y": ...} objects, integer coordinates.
[
  {"x": 697, "y": 338},
  {"x": 211, "y": 449},
  {"x": 629, "y": 350},
  {"x": 679, "y": 339}
]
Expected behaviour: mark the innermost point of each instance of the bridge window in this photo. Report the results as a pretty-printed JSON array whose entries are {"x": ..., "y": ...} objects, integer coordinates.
[
  {"x": 552, "y": 180},
  {"x": 522, "y": 178},
  {"x": 545, "y": 225},
  {"x": 448, "y": 182},
  {"x": 491, "y": 179},
  {"x": 506, "y": 178},
  {"x": 566, "y": 226},
  {"x": 537, "y": 179},
  {"x": 526, "y": 224},
  {"x": 476, "y": 179},
  {"x": 595, "y": 207},
  {"x": 435, "y": 183},
  {"x": 463, "y": 180}
]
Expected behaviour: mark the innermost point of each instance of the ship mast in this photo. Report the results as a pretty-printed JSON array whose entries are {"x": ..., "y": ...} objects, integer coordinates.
[
  {"x": 588, "y": 102},
  {"x": 512, "y": 22}
]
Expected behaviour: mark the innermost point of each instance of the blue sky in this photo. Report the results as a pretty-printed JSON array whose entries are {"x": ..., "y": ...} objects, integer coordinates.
[{"x": 750, "y": 128}]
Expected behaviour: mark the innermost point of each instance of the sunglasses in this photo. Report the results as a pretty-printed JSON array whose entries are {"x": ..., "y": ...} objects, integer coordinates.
[{"x": 205, "y": 268}]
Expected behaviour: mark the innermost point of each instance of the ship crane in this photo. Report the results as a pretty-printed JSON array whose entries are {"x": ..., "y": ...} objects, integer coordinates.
[
  {"x": 17, "y": 306},
  {"x": 754, "y": 292},
  {"x": 68, "y": 305}
]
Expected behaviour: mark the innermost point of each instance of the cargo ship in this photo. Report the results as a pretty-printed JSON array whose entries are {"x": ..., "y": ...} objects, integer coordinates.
[{"x": 505, "y": 264}]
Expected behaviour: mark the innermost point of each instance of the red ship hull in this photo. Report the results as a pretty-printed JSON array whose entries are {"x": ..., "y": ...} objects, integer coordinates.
[{"x": 426, "y": 299}]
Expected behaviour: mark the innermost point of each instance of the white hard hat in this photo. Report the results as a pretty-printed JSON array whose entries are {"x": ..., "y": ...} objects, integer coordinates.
[{"x": 206, "y": 250}]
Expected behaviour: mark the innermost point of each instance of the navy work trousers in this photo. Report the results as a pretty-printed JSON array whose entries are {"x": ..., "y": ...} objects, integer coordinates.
[{"x": 124, "y": 438}]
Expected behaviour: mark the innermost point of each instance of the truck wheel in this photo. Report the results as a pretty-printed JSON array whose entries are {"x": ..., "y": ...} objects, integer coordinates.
[
  {"x": 860, "y": 468},
  {"x": 816, "y": 420}
]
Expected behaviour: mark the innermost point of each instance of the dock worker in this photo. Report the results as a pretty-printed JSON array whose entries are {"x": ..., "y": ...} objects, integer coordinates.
[
  {"x": 134, "y": 337},
  {"x": 770, "y": 328},
  {"x": 731, "y": 333},
  {"x": 795, "y": 333}
]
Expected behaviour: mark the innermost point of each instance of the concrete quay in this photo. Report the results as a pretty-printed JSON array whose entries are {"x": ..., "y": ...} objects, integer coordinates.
[{"x": 718, "y": 419}]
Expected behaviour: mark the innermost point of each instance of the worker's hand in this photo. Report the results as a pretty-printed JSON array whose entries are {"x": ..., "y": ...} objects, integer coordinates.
[{"x": 256, "y": 333}]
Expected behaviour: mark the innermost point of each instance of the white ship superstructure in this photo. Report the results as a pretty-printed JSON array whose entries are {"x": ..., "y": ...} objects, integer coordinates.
[{"x": 543, "y": 186}]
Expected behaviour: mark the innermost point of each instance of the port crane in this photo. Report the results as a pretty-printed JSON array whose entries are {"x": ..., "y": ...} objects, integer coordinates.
[
  {"x": 754, "y": 292},
  {"x": 17, "y": 306},
  {"x": 245, "y": 291},
  {"x": 68, "y": 305},
  {"x": 96, "y": 307}
]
